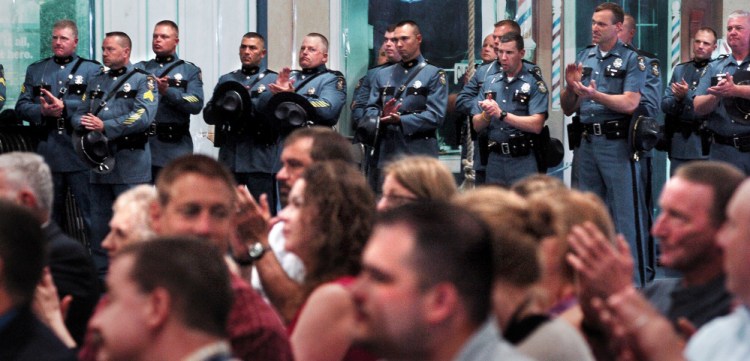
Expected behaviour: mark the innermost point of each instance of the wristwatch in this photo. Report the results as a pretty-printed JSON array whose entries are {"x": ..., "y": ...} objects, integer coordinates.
[
  {"x": 255, "y": 253},
  {"x": 503, "y": 114}
]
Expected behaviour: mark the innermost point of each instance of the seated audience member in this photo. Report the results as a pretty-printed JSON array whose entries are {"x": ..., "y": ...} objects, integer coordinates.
[
  {"x": 538, "y": 183},
  {"x": 22, "y": 336},
  {"x": 693, "y": 206},
  {"x": 157, "y": 307},
  {"x": 424, "y": 290},
  {"x": 327, "y": 220},
  {"x": 26, "y": 180},
  {"x": 556, "y": 216},
  {"x": 184, "y": 208},
  {"x": 278, "y": 275},
  {"x": 413, "y": 178},
  {"x": 130, "y": 221},
  {"x": 198, "y": 198},
  {"x": 130, "y": 224},
  {"x": 517, "y": 269},
  {"x": 649, "y": 335},
  {"x": 553, "y": 215}
]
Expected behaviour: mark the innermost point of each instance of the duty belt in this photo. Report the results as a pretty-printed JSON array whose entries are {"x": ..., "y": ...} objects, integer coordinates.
[
  {"x": 132, "y": 142},
  {"x": 168, "y": 131},
  {"x": 741, "y": 142},
  {"x": 612, "y": 129},
  {"x": 515, "y": 147},
  {"x": 422, "y": 135}
]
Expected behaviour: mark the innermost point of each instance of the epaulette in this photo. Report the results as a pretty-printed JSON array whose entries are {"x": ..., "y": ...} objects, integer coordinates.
[
  {"x": 379, "y": 66},
  {"x": 590, "y": 46},
  {"x": 268, "y": 71},
  {"x": 720, "y": 57},
  {"x": 645, "y": 53},
  {"x": 336, "y": 73},
  {"x": 536, "y": 71},
  {"x": 628, "y": 46},
  {"x": 139, "y": 70},
  {"x": 41, "y": 61},
  {"x": 91, "y": 61},
  {"x": 528, "y": 62}
]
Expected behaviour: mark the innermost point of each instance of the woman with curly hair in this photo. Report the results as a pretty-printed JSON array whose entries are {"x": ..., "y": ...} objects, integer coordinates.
[{"x": 327, "y": 221}]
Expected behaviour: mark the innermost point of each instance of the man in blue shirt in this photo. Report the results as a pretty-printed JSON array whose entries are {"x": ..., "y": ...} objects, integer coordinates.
[
  {"x": 410, "y": 97},
  {"x": 604, "y": 88},
  {"x": 514, "y": 110},
  {"x": 121, "y": 103},
  {"x": 718, "y": 96},
  {"x": 682, "y": 126},
  {"x": 51, "y": 93},
  {"x": 180, "y": 87},
  {"x": 249, "y": 150}
]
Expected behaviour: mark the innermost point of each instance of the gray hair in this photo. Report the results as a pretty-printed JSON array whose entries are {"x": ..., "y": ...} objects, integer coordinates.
[
  {"x": 738, "y": 14},
  {"x": 135, "y": 204},
  {"x": 28, "y": 170}
]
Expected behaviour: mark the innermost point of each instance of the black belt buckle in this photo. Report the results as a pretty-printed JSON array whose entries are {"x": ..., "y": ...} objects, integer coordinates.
[
  {"x": 505, "y": 148},
  {"x": 60, "y": 125},
  {"x": 597, "y": 127}
]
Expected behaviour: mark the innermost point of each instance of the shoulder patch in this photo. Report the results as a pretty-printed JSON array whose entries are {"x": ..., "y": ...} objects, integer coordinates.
[
  {"x": 655, "y": 67},
  {"x": 441, "y": 74},
  {"x": 641, "y": 63},
  {"x": 541, "y": 86},
  {"x": 41, "y": 60},
  {"x": 340, "y": 83}
]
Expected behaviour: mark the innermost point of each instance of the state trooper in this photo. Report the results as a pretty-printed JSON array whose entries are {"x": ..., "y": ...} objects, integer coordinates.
[
  {"x": 362, "y": 95},
  {"x": 410, "y": 97},
  {"x": 362, "y": 90},
  {"x": 120, "y": 102},
  {"x": 514, "y": 111},
  {"x": 467, "y": 98},
  {"x": 2, "y": 86},
  {"x": 51, "y": 93},
  {"x": 180, "y": 86},
  {"x": 248, "y": 149},
  {"x": 325, "y": 89},
  {"x": 725, "y": 100},
  {"x": 683, "y": 127},
  {"x": 603, "y": 88}
]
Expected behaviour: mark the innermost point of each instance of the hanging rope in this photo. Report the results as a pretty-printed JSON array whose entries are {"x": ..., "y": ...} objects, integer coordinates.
[{"x": 468, "y": 163}]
